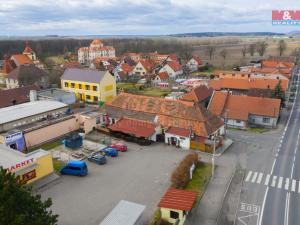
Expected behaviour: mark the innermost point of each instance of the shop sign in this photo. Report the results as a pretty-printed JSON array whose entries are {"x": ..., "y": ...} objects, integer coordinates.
[{"x": 20, "y": 165}]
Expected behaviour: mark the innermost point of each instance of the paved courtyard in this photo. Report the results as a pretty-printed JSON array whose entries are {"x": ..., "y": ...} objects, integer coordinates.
[{"x": 141, "y": 175}]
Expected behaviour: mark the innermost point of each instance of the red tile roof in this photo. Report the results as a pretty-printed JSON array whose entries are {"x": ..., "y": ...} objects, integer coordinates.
[
  {"x": 134, "y": 127},
  {"x": 126, "y": 68},
  {"x": 179, "y": 131},
  {"x": 277, "y": 64},
  {"x": 169, "y": 113},
  {"x": 197, "y": 59},
  {"x": 96, "y": 42},
  {"x": 239, "y": 106},
  {"x": 148, "y": 64},
  {"x": 198, "y": 94},
  {"x": 163, "y": 75},
  {"x": 178, "y": 199},
  {"x": 175, "y": 65},
  {"x": 244, "y": 84}
]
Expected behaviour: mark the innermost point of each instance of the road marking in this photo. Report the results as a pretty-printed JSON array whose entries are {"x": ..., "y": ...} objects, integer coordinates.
[
  {"x": 280, "y": 182},
  {"x": 268, "y": 179},
  {"x": 293, "y": 185},
  {"x": 274, "y": 181},
  {"x": 260, "y": 176},
  {"x": 299, "y": 187},
  {"x": 254, "y": 177},
  {"x": 248, "y": 176},
  {"x": 287, "y": 183}
]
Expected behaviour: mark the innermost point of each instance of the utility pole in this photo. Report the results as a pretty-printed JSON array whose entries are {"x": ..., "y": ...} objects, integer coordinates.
[{"x": 213, "y": 158}]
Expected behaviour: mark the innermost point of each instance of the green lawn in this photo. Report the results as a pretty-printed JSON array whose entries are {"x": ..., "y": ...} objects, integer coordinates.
[
  {"x": 58, "y": 164},
  {"x": 258, "y": 130},
  {"x": 59, "y": 59},
  {"x": 51, "y": 145},
  {"x": 149, "y": 91},
  {"x": 201, "y": 177}
]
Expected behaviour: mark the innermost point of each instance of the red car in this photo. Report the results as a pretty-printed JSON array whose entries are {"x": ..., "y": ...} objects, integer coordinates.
[{"x": 119, "y": 146}]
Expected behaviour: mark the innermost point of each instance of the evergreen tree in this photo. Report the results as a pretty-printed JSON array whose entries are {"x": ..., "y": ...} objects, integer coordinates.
[
  {"x": 18, "y": 206},
  {"x": 278, "y": 92}
]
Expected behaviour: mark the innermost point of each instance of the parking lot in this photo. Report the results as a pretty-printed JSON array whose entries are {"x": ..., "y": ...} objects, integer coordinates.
[{"x": 141, "y": 175}]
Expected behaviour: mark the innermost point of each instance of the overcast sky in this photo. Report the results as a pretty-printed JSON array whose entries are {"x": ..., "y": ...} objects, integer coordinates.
[{"x": 141, "y": 17}]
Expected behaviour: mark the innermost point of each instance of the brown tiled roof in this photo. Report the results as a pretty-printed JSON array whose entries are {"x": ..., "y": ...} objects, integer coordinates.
[
  {"x": 126, "y": 68},
  {"x": 21, "y": 59},
  {"x": 148, "y": 64},
  {"x": 239, "y": 106},
  {"x": 244, "y": 84},
  {"x": 20, "y": 95},
  {"x": 26, "y": 70},
  {"x": 198, "y": 94},
  {"x": 276, "y": 64},
  {"x": 178, "y": 199},
  {"x": 134, "y": 127},
  {"x": 179, "y": 131},
  {"x": 169, "y": 113},
  {"x": 197, "y": 59},
  {"x": 163, "y": 75}
]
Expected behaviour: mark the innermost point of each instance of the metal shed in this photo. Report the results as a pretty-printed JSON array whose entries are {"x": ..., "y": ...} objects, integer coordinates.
[{"x": 125, "y": 213}]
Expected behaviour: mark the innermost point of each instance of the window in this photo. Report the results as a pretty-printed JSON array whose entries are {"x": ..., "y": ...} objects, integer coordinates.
[
  {"x": 266, "y": 120},
  {"x": 87, "y": 87},
  {"x": 79, "y": 86},
  {"x": 238, "y": 121},
  {"x": 108, "y": 87},
  {"x": 174, "y": 215},
  {"x": 66, "y": 84},
  {"x": 95, "y": 98},
  {"x": 88, "y": 97},
  {"x": 95, "y": 88},
  {"x": 72, "y": 85}
]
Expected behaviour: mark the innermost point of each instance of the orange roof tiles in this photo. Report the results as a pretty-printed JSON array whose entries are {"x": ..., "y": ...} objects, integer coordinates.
[
  {"x": 198, "y": 94},
  {"x": 96, "y": 42},
  {"x": 244, "y": 84},
  {"x": 126, "y": 68},
  {"x": 136, "y": 127},
  {"x": 21, "y": 59},
  {"x": 179, "y": 131},
  {"x": 239, "y": 107},
  {"x": 169, "y": 113},
  {"x": 163, "y": 75},
  {"x": 148, "y": 64},
  {"x": 178, "y": 199},
  {"x": 277, "y": 64},
  {"x": 175, "y": 65}
]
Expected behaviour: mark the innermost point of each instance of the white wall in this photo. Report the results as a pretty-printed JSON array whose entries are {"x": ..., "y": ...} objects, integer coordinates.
[
  {"x": 236, "y": 123},
  {"x": 184, "y": 141}
]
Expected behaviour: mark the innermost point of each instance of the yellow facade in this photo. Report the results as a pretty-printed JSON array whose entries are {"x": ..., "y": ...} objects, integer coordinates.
[
  {"x": 44, "y": 167},
  {"x": 92, "y": 92},
  {"x": 166, "y": 215}
]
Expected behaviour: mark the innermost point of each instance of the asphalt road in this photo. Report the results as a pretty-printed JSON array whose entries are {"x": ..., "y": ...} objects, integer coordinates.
[{"x": 271, "y": 192}]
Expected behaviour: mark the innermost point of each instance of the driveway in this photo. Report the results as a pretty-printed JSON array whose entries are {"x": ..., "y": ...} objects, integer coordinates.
[{"x": 141, "y": 175}]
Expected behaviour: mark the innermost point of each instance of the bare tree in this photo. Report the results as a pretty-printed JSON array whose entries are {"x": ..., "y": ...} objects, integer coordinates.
[
  {"x": 211, "y": 51},
  {"x": 244, "y": 51},
  {"x": 223, "y": 53},
  {"x": 251, "y": 49},
  {"x": 282, "y": 46},
  {"x": 261, "y": 47}
]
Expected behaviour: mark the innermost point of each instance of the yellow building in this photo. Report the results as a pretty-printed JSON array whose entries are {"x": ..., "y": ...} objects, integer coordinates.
[
  {"x": 28, "y": 167},
  {"x": 176, "y": 204},
  {"x": 89, "y": 85}
]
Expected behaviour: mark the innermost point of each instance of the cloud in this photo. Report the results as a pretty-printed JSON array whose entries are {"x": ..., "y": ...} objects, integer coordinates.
[{"x": 79, "y": 17}]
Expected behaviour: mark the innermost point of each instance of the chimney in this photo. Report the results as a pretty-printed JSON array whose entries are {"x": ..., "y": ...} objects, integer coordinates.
[{"x": 33, "y": 95}]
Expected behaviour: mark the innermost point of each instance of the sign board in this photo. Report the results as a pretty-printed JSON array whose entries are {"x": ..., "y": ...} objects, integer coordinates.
[
  {"x": 15, "y": 139},
  {"x": 19, "y": 165}
]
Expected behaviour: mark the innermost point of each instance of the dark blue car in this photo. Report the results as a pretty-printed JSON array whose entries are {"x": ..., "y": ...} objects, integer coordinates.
[
  {"x": 97, "y": 157},
  {"x": 78, "y": 168},
  {"x": 112, "y": 152}
]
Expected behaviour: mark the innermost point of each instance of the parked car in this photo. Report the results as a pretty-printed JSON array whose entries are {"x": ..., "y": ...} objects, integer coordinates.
[
  {"x": 97, "y": 157},
  {"x": 112, "y": 152},
  {"x": 78, "y": 168},
  {"x": 119, "y": 146}
]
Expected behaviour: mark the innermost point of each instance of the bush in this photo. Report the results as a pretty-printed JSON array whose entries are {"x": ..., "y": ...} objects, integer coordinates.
[{"x": 181, "y": 175}]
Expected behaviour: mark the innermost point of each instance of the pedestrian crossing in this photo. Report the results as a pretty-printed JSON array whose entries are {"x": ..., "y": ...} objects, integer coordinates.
[{"x": 274, "y": 181}]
